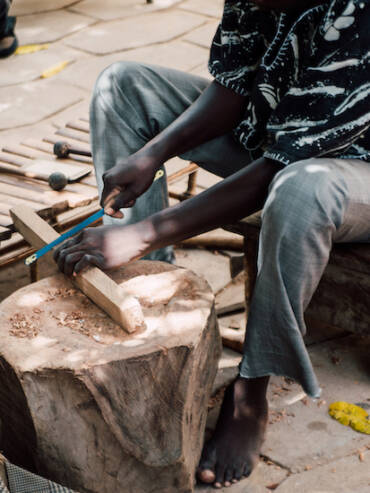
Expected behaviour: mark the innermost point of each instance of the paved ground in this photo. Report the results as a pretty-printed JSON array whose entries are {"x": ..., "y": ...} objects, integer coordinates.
[{"x": 305, "y": 450}]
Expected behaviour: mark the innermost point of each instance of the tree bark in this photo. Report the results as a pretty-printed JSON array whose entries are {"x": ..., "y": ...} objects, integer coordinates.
[{"x": 101, "y": 410}]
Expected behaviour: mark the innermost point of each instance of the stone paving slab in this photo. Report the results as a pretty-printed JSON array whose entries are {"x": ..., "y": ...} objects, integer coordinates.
[
  {"x": 301, "y": 433},
  {"x": 347, "y": 475},
  {"x": 24, "y": 68},
  {"x": 127, "y": 34},
  {"x": 176, "y": 54},
  {"x": 119, "y": 9},
  {"x": 212, "y": 8},
  {"x": 203, "y": 35},
  {"x": 50, "y": 26},
  {"x": 29, "y": 103},
  {"x": 45, "y": 127},
  {"x": 26, "y": 7}
]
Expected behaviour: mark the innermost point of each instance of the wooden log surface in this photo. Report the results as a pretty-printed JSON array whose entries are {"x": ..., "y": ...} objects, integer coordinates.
[
  {"x": 101, "y": 410},
  {"x": 122, "y": 307}
]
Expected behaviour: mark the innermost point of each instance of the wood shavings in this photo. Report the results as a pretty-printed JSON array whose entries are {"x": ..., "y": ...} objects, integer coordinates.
[
  {"x": 24, "y": 327},
  {"x": 62, "y": 293}
]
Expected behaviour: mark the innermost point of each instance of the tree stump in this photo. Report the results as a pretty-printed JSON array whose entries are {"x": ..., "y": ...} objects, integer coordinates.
[{"x": 98, "y": 410}]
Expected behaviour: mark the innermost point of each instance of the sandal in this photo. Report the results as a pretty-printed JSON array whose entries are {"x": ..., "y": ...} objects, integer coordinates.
[{"x": 9, "y": 41}]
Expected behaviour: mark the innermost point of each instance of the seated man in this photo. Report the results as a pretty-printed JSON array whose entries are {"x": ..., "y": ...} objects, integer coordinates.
[
  {"x": 286, "y": 123},
  {"x": 8, "y": 40}
]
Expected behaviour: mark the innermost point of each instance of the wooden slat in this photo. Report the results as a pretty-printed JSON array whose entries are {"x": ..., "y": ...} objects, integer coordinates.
[
  {"x": 182, "y": 172},
  {"x": 23, "y": 151},
  {"x": 5, "y": 157},
  {"x": 79, "y": 125},
  {"x": 39, "y": 145},
  {"x": 76, "y": 145},
  {"x": 73, "y": 134}
]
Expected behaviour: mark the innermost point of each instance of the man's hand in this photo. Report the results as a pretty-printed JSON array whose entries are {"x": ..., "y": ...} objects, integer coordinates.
[
  {"x": 127, "y": 181},
  {"x": 106, "y": 247}
]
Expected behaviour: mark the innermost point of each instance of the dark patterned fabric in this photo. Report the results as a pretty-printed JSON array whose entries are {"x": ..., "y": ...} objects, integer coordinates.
[
  {"x": 305, "y": 74},
  {"x": 21, "y": 481},
  {"x": 4, "y": 7}
]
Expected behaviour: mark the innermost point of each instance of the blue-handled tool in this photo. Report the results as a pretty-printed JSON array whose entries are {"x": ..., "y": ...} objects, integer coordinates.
[
  {"x": 89, "y": 220},
  {"x": 32, "y": 258}
]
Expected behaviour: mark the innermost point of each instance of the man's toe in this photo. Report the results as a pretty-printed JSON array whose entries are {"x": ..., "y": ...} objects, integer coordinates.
[
  {"x": 206, "y": 475},
  {"x": 247, "y": 470},
  {"x": 228, "y": 476},
  {"x": 220, "y": 476}
]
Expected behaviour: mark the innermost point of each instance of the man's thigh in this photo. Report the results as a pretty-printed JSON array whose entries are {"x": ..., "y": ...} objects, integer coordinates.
[
  {"x": 160, "y": 95},
  {"x": 356, "y": 222}
]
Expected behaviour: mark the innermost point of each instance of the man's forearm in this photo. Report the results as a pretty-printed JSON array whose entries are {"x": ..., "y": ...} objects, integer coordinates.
[
  {"x": 230, "y": 200},
  {"x": 216, "y": 112}
]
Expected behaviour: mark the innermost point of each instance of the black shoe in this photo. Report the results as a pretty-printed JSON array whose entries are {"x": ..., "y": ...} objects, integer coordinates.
[{"x": 8, "y": 41}]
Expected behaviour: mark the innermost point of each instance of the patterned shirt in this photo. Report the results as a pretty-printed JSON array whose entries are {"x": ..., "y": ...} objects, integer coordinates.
[{"x": 306, "y": 76}]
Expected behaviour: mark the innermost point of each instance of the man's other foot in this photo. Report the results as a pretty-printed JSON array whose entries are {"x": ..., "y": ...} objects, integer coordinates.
[
  {"x": 234, "y": 449},
  {"x": 8, "y": 40}
]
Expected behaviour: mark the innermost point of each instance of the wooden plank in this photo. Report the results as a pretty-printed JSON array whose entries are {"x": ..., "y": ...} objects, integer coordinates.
[
  {"x": 73, "y": 134},
  {"x": 68, "y": 218},
  {"x": 218, "y": 239},
  {"x": 47, "y": 147},
  {"x": 75, "y": 145},
  {"x": 12, "y": 159},
  {"x": 122, "y": 307},
  {"x": 22, "y": 151},
  {"x": 79, "y": 125},
  {"x": 39, "y": 145},
  {"x": 41, "y": 168},
  {"x": 182, "y": 172}
]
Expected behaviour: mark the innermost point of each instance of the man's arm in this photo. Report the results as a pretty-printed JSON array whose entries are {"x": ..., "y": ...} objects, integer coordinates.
[
  {"x": 111, "y": 246},
  {"x": 237, "y": 196},
  {"x": 216, "y": 112}
]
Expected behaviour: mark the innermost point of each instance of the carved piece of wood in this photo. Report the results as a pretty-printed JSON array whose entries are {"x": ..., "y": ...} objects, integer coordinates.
[
  {"x": 101, "y": 411},
  {"x": 122, "y": 307}
]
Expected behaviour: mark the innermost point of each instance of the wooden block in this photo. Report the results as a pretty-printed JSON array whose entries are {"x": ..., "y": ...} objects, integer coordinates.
[
  {"x": 100, "y": 410},
  {"x": 123, "y": 308}
]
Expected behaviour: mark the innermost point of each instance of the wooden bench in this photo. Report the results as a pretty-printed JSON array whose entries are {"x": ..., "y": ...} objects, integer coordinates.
[{"x": 342, "y": 298}]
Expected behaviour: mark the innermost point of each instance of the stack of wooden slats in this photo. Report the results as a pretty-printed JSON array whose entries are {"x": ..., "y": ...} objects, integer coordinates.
[{"x": 24, "y": 169}]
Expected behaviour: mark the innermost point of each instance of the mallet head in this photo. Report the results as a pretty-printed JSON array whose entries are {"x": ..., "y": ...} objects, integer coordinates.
[
  {"x": 61, "y": 149},
  {"x": 57, "y": 180}
]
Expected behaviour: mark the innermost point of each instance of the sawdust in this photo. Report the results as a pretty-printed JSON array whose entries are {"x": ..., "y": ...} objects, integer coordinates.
[
  {"x": 61, "y": 293},
  {"x": 24, "y": 326}
]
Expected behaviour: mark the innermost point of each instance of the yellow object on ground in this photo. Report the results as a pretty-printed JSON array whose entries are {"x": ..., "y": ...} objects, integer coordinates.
[
  {"x": 54, "y": 69},
  {"x": 26, "y": 49},
  {"x": 350, "y": 415}
]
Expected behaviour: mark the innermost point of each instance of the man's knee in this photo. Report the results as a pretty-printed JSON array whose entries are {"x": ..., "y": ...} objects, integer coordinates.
[
  {"x": 312, "y": 191},
  {"x": 116, "y": 77}
]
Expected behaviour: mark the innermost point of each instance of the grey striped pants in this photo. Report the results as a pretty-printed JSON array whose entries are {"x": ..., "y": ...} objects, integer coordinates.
[{"x": 311, "y": 204}]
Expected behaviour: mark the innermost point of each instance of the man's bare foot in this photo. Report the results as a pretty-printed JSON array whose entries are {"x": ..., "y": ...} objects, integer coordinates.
[{"x": 234, "y": 449}]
